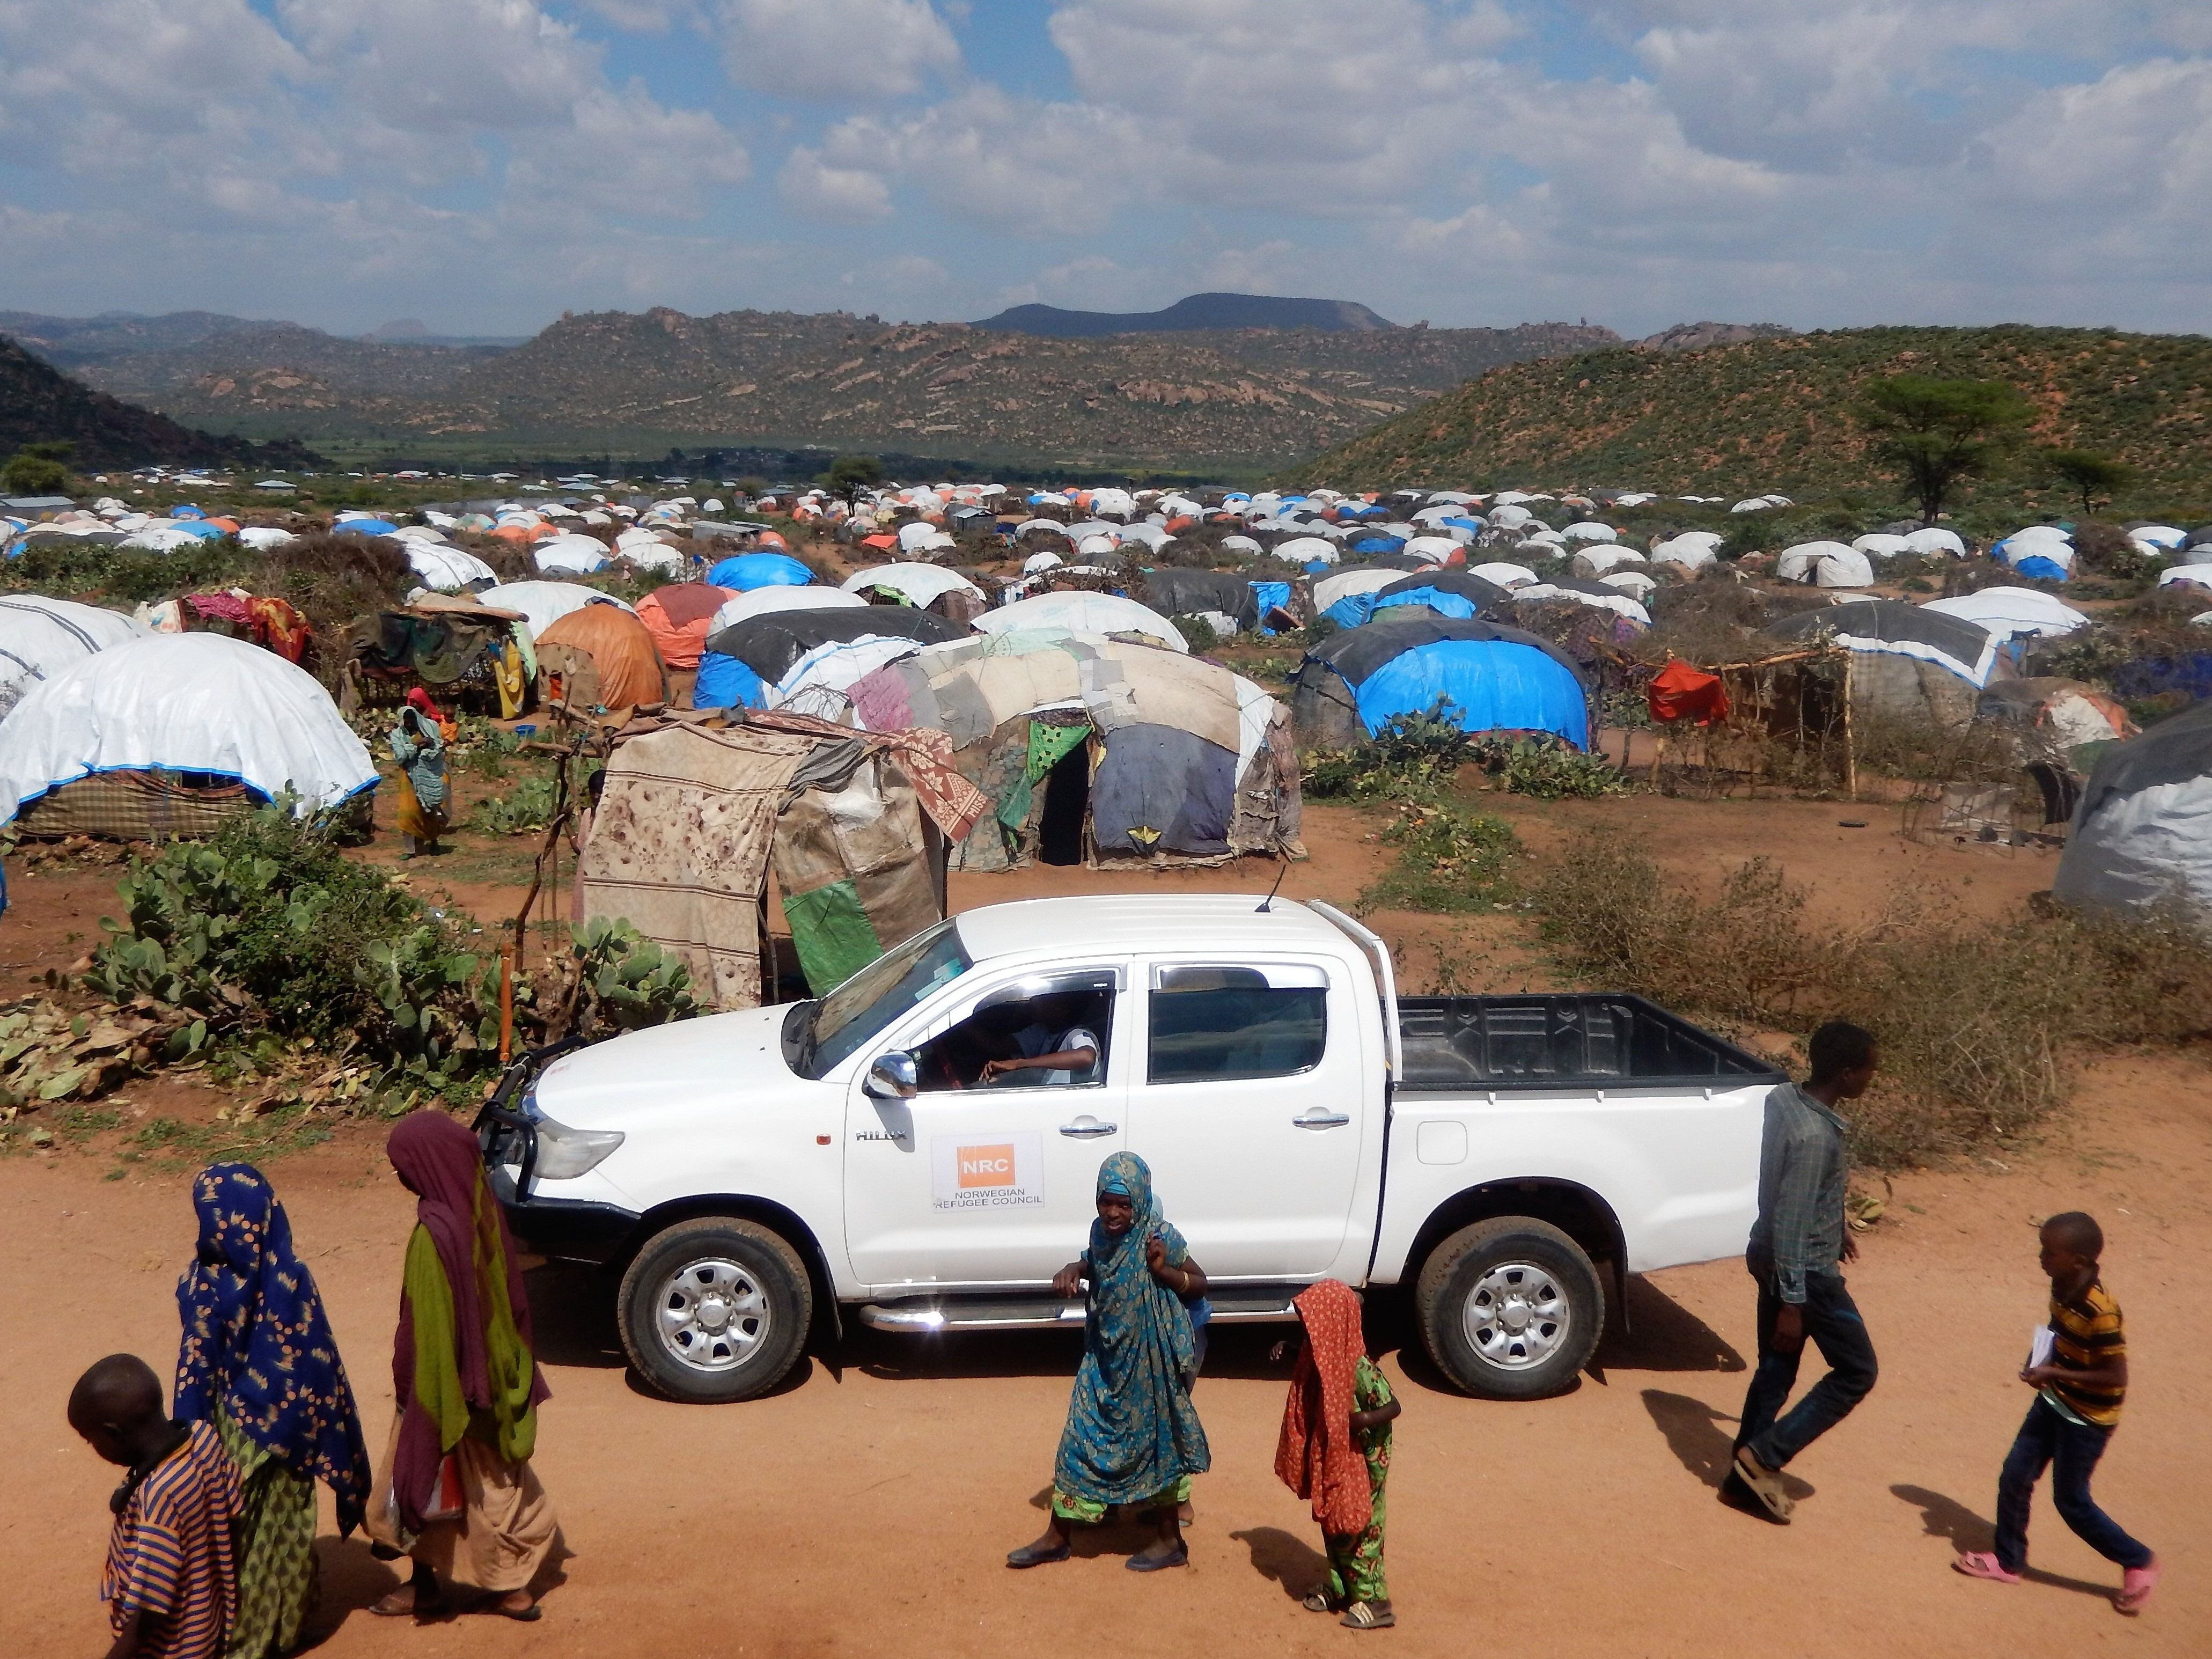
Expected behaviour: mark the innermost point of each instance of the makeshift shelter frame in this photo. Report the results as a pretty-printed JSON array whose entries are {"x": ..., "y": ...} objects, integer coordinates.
[{"x": 1753, "y": 703}]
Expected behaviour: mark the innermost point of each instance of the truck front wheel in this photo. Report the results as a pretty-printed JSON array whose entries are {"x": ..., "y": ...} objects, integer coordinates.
[
  {"x": 715, "y": 1310},
  {"x": 1510, "y": 1308}
]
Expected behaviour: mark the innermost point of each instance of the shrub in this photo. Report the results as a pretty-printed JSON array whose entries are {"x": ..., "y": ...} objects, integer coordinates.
[
  {"x": 1447, "y": 861},
  {"x": 1413, "y": 758},
  {"x": 1551, "y": 771},
  {"x": 528, "y": 806},
  {"x": 1197, "y": 632},
  {"x": 1980, "y": 1022}
]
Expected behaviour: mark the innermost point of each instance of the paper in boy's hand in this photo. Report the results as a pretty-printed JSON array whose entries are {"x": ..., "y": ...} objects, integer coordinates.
[{"x": 2040, "y": 1347}]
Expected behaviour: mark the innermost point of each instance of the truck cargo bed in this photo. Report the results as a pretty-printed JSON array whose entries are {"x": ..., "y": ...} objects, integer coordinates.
[{"x": 1564, "y": 1040}]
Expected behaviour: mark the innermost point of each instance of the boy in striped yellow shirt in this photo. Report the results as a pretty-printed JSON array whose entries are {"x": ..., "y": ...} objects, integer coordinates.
[{"x": 2078, "y": 1393}]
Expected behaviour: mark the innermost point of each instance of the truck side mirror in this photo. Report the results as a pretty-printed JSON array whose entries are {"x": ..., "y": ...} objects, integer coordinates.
[{"x": 893, "y": 1077}]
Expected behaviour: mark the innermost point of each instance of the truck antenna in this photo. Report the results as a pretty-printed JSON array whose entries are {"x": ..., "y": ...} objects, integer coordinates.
[{"x": 1281, "y": 870}]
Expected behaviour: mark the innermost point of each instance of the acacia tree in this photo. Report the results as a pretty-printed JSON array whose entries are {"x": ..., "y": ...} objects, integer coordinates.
[
  {"x": 2086, "y": 475},
  {"x": 38, "y": 469},
  {"x": 1941, "y": 431}
]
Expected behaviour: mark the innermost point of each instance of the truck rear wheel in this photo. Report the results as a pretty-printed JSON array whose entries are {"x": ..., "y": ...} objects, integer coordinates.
[
  {"x": 715, "y": 1309},
  {"x": 1510, "y": 1309}
]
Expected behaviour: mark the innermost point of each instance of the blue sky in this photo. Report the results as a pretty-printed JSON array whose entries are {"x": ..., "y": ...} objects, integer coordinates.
[{"x": 483, "y": 164}]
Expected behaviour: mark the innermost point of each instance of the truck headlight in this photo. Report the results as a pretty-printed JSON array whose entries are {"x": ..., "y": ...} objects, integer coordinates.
[{"x": 564, "y": 1153}]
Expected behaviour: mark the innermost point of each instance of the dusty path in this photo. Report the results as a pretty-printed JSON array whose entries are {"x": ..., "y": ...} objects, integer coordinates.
[{"x": 864, "y": 1509}]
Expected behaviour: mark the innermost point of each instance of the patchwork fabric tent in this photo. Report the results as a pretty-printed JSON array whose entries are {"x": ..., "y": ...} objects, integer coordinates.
[
  {"x": 458, "y": 650},
  {"x": 747, "y": 657},
  {"x": 40, "y": 637},
  {"x": 2142, "y": 833},
  {"x": 170, "y": 734},
  {"x": 678, "y": 616},
  {"x": 598, "y": 660},
  {"x": 1488, "y": 679},
  {"x": 695, "y": 813},
  {"x": 1907, "y": 660},
  {"x": 1099, "y": 749}
]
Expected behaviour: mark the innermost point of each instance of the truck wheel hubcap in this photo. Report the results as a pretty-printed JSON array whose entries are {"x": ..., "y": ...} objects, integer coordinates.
[
  {"x": 713, "y": 1315},
  {"x": 1517, "y": 1316}
]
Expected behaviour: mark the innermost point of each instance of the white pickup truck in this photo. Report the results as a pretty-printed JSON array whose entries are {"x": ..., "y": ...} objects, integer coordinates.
[{"x": 1301, "y": 1121}]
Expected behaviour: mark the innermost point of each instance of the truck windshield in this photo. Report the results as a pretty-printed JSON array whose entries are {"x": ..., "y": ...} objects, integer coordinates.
[{"x": 864, "y": 1005}]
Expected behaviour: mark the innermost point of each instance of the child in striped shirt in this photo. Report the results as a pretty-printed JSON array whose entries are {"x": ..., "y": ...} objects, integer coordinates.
[
  {"x": 2079, "y": 1394},
  {"x": 171, "y": 1584}
]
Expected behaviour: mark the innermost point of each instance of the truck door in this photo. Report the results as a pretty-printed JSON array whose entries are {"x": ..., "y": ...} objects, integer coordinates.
[
  {"x": 983, "y": 1182},
  {"x": 1249, "y": 1108}
]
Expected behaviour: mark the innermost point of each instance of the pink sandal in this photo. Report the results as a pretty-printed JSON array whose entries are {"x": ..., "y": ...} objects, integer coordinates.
[
  {"x": 1980, "y": 1564},
  {"x": 2135, "y": 1586}
]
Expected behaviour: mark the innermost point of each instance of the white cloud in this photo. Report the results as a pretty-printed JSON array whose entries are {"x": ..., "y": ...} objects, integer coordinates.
[
  {"x": 848, "y": 49},
  {"x": 811, "y": 184}
]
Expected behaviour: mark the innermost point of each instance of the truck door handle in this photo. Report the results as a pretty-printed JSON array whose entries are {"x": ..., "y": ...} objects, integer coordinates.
[
  {"x": 1088, "y": 1128},
  {"x": 1317, "y": 1119}
]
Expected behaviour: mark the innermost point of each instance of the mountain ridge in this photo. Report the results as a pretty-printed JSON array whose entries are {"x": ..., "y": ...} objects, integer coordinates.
[
  {"x": 39, "y": 403},
  {"x": 1193, "y": 314}
]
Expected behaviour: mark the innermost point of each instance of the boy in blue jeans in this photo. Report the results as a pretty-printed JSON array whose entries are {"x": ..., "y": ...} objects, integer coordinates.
[{"x": 2079, "y": 1394}]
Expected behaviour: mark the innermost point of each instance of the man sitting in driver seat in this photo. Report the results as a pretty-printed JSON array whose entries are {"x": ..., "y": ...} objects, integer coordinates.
[{"x": 1050, "y": 1050}]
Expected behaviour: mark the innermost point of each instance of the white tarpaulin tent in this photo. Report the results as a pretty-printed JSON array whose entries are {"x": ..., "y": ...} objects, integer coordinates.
[
  {"x": 919, "y": 585},
  {"x": 762, "y": 600},
  {"x": 1827, "y": 564},
  {"x": 2009, "y": 612},
  {"x": 186, "y": 702},
  {"x": 1075, "y": 612},
  {"x": 40, "y": 637}
]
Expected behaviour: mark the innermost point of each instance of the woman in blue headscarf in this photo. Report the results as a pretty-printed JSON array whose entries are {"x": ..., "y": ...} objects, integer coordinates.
[
  {"x": 1133, "y": 1436},
  {"x": 257, "y": 1364}
]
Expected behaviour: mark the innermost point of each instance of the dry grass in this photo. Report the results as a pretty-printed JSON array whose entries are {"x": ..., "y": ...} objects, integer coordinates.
[{"x": 1981, "y": 1022}]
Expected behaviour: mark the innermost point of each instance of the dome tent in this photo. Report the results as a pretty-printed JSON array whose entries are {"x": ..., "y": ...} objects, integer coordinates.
[
  {"x": 1077, "y": 611},
  {"x": 931, "y": 587},
  {"x": 678, "y": 616},
  {"x": 1492, "y": 679},
  {"x": 1906, "y": 660},
  {"x": 1446, "y": 593},
  {"x": 543, "y": 604},
  {"x": 762, "y": 600},
  {"x": 40, "y": 637},
  {"x": 2142, "y": 833},
  {"x": 2008, "y": 613},
  {"x": 96, "y": 749},
  {"x": 600, "y": 659},
  {"x": 743, "y": 572},
  {"x": 1826, "y": 564},
  {"x": 1096, "y": 748},
  {"x": 744, "y": 660}
]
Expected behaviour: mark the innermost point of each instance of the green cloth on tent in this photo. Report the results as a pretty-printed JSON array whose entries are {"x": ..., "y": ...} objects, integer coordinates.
[
  {"x": 832, "y": 934},
  {"x": 1049, "y": 746}
]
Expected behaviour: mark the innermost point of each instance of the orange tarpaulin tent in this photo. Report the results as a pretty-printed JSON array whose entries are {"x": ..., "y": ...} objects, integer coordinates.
[
  {"x": 601, "y": 656},
  {"x": 678, "y": 617}
]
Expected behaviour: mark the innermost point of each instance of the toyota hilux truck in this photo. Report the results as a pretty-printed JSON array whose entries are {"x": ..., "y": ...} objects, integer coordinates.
[{"x": 857, "y": 1156}]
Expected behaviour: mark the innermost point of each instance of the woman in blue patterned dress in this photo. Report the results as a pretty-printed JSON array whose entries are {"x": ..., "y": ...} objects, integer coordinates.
[
  {"x": 1133, "y": 1436},
  {"x": 259, "y": 1365}
]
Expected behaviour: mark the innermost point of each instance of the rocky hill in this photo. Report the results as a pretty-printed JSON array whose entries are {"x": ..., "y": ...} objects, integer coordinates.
[
  {"x": 1773, "y": 414},
  {"x": 39, "y": 403},
  {"x": 1194, "y": 312},
  {"x": 624, "y": 382}
]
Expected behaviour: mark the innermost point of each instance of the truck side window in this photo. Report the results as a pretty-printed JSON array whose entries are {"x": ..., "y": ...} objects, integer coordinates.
[
  {"x": 1213, "y": 1023},
  {"x": 1068, "y": 1015}
]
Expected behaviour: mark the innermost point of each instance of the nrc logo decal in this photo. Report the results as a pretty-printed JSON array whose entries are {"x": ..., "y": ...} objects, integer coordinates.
[{"x": 985, "y": 1166}]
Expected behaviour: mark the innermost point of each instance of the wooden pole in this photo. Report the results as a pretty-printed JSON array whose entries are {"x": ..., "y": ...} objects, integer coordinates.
[
  {"x": 1850, "y": 738},
  {"x": 506, "y": 1004}
]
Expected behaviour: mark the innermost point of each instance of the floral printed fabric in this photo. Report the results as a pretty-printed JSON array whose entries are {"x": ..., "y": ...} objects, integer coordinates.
[
  {"x": 257, "y": 1343},
  {"x": 1132, "y": 1431}
]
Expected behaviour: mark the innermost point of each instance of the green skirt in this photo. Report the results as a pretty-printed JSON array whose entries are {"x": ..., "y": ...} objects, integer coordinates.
[{"x": 276, "y": 1552}]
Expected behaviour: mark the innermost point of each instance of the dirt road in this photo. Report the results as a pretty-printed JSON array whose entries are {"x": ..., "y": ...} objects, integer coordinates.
[{"x": 865, "y": 1507}]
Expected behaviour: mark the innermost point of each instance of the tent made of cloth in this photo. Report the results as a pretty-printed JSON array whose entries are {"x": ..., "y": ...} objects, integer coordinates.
[
  {"x": 1825, "y": 564},
  {"x": 1905, "y": 660},
  {"x": 761, "y": 601},
  {"x": 743, "y": 572},
  {"x": 2060, "y": 714},
  {"x": 1175, "y": 591},
  {"x": 1489, "y": 679},
  {"x": 543, "y": 604},
  {"x": 2142, "y": 833},
  {"x": 692, "y": 815},
  {"x": 744, "y": 659},
  {"x": 678, "y": 616},
  {"x": 600, "y": 659},
  {"x": 40, "y": 637},
  {"x": 921, "y": 586},
  {"x": 1183, "y": 759},
  {"x": 446, "y": 646},
  {"x": 201, "y": 704},
  {"x": 2008, "y": 613},
  {"x": 1078, "y": 611}
]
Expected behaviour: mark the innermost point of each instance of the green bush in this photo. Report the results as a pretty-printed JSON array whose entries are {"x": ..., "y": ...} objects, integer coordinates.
[
  {"x": 1447, "y": 861},
  {"x": 1414, "y": 757},
  {"x": 1197, "y": 632},
  {"x": 527, "y": 807},
  {"x": 1551, "y": 771}
]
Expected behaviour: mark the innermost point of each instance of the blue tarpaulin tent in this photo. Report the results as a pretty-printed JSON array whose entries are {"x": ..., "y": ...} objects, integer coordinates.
[
  {"x": 1488, "y": 678},
  {"x": 743, "y": 572}
]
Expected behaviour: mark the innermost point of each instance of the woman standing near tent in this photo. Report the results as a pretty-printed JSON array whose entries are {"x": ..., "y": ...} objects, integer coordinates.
[
  {"x": 1334, "y": 1449},
  {"x": 455, "y": 1489},
  {"x": 259, "y": 1365},
  {"x": 1133, "y": 1436},
  {"x": 418, "y": 745}
]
